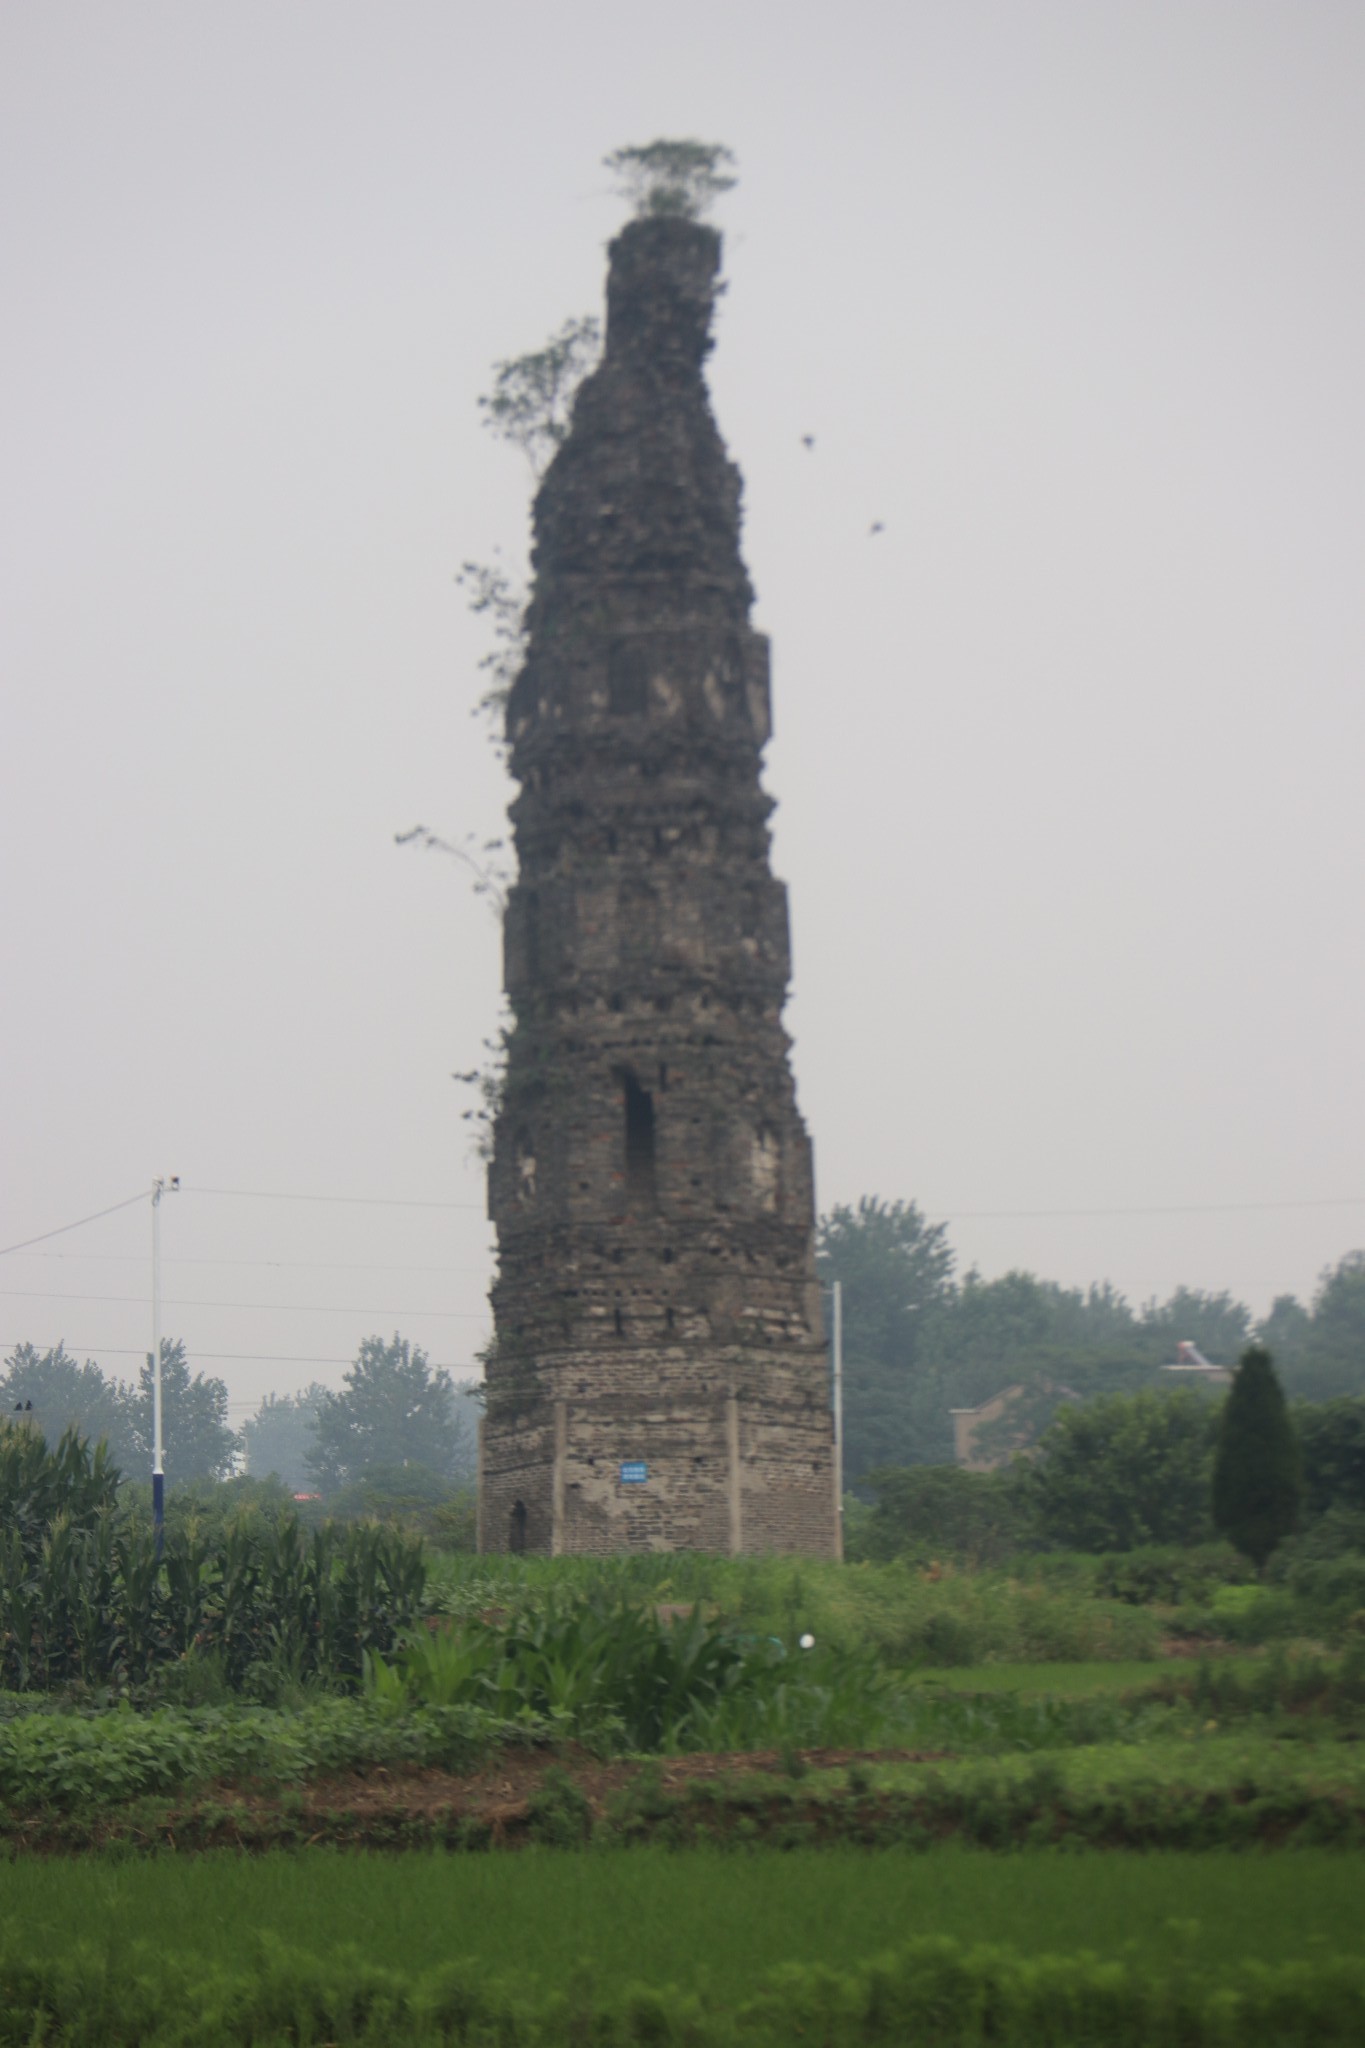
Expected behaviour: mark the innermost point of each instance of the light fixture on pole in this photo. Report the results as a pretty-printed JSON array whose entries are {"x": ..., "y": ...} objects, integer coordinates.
[{"x": 159, "y": 1188}]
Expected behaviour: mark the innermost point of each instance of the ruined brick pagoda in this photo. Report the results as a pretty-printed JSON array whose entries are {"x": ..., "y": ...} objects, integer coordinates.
[{"x": 659, "y": 1376}]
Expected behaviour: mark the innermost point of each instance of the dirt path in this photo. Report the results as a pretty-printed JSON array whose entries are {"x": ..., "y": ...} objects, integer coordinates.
[{"x": 500, "y": 1805}]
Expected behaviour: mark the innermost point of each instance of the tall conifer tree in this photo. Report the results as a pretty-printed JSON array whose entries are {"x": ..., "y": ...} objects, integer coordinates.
[{"x": 1257, "y": 1471}]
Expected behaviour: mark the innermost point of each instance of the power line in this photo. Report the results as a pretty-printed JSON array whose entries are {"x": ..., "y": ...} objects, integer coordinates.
[
  {"x": 282, "y": 1265},
  {"x": 1155, "y": 1209},
  {"x": 354, "y": 1201},
  {"x": 321, "y": 1308},
  {"x": 232, "y": 1357},
  {"x": 79, "y": 1224}
]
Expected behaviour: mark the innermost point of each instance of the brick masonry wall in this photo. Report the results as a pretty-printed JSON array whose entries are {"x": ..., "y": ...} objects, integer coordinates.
[{"x": 651, "y": 1178}]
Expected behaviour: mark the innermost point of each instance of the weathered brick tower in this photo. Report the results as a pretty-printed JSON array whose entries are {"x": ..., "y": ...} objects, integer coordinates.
[{"x": 659, "y": 1374}]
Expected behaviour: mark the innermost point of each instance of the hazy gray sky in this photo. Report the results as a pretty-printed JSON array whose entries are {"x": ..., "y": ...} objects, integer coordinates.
[{"x": 1069, "y": 757}]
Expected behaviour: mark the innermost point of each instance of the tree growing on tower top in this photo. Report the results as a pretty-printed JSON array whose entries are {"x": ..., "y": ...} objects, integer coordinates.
[
  {"x": 683, "y": 178},
  {"x": 1257, "y": 1471}
]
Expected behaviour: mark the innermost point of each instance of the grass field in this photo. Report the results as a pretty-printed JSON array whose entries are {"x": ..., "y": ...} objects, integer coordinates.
[{"x": 692, "y": 1919}]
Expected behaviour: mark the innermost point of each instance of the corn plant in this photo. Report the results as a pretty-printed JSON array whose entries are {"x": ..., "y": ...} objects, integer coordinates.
[
  {"x": 85, "y": 1600},
  {"x": 615, "y": 1671}
]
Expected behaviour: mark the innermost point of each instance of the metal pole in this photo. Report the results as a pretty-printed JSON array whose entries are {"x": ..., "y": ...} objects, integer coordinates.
[
  {"x": 158, "y": 1472},
  {"x": 839, "y": 1409},
  {"x": 159, "y": 1188}
]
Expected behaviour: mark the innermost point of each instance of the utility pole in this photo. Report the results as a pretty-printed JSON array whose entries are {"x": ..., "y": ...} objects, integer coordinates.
[
  {"x": 159, "y": 1188},
  {"x": 838, "y": 1335}
]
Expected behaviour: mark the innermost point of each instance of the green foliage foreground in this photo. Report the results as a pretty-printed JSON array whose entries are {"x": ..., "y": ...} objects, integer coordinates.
[
  {"x": 620, "y": 1675},
  {"x": 691, "y": 1918},
  {"x": 85, "y": 1600},
  {"x": 88, "y": 1761},
  {"x": 1213, "y": 1742},
  {"x": 695, "y": 1949},
  {"x": 904, "y": 1615}
]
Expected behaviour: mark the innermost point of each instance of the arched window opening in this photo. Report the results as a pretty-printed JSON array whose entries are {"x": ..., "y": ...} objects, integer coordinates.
[
  {"x": 516, "y": 1534},
  {"x": 639, "y": 1107},
  {"x": 764, "y": 1161},
  {"x": 526, "y": 1167}
]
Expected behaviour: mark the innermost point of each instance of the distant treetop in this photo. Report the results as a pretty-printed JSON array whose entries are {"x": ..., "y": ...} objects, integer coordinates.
[{"x": 681, "y": 178}]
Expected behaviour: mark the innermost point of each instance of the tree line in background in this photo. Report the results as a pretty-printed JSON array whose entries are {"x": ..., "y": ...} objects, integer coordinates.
[
  {"x": 60, "y": 1393},
  {"x": 919, "y": 1342},
  {"x": 1148, "y": 1481},
  {"x": 397, "y": 1426}
]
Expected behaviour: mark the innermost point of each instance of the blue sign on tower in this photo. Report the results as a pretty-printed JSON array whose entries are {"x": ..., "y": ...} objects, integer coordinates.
[{"x": 634, "y": 1472}]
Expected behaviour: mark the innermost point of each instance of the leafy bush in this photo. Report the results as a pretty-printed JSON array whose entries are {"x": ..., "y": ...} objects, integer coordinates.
[
  {"x": 1329, "y": 1595},
  {"x": 928, "y": 1511},
  {"x": 52, "y": 1758},
  {"x": 1278, "y": 1684},
  {"x": 1041, "y": 1607},
  {"x": 412, "y": 1497},
  {"x": 1332, "y": 1444},
  {"x": 611, "y": 1671},
  {"x": 1126, "y": 1471},
  {"x": 1169, "y": 1575},
  {"x": 208, "y": 1507},
  {"x": 1340, "y": 1532}
]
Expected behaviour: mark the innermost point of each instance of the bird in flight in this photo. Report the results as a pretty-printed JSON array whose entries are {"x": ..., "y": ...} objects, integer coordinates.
[
  {"x": 808, "y": 440},
  {"x": 876, "y": 527}
]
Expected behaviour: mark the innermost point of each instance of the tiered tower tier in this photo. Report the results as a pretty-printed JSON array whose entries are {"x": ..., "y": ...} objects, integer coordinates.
[{"x": 659, "y": 1376}]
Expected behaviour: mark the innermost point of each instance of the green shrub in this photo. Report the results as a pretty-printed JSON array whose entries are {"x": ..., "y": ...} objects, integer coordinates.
[
  {"x": 614, "y": 1672},
  {"x": 1257, "y": 1470},
  {"x": 412, "y": 1497},
  {"x": 878, "y": 1610},
  {"x": 1338, "y": 1532},
  {"x": 1169, "y": 1574},
  {"x": 64, "y": 1759},
  {"x": 947, "y": 1638},
  {"x": 1326, "y": 1595},
  {"x": 1125, "y": 1472},
  {"x": 209, "y": 1507},
  {"x": 560, "y": 1816},
  {"x": 1332, "y": 1445},
  {"x": 945, "y": 1511}
]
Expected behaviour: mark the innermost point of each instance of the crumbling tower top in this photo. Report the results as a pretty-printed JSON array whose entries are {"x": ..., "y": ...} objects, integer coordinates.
[
  {"x": 642, "y": 499},
  {"x": 661, "y": 289}
]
